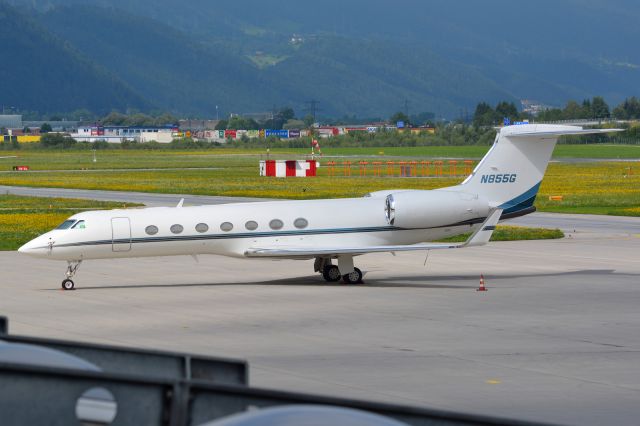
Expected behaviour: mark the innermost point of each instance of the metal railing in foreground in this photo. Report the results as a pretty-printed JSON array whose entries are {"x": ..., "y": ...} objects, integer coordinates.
[{"x": 130, "y": 387}]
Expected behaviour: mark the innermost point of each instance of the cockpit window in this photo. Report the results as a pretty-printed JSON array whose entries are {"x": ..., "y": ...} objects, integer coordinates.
[
  {"x": 66, "y": 224},
  {"x": 79, "y": 225}
]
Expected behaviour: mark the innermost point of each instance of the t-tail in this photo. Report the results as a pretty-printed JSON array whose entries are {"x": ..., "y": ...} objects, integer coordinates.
[{"x": 509, "y": 176}]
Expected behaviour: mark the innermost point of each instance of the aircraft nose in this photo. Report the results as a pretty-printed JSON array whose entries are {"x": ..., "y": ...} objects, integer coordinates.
[
  {"x": 32, "y": 248},
  {"x": 25, "y": 248}
]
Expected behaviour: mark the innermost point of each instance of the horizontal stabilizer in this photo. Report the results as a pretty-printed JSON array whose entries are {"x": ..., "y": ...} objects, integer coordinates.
[
  {"x": 562, "y": 132},
  {"x": 480, "y": 237},
  {"x": 483, "y": 234}
]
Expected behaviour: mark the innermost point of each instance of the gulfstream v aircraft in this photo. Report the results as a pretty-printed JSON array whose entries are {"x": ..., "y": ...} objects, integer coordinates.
[{"x": 502, "y": 186}]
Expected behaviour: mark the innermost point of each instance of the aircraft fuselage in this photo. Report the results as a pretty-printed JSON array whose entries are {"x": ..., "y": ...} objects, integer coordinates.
[{"x": 231, "y": 229}]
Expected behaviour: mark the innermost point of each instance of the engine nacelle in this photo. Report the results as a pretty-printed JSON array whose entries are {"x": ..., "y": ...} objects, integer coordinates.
[{"x": 424, "y": 209}]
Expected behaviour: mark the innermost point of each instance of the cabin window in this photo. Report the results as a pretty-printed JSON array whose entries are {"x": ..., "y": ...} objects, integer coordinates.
[
  {"x": 176, "y": 229},
  {"x": 202, "y": 227},
  {"x": 79, "y": 225},
  {"x": 252, "y": 225},
  {"x": 66, "y": 224},
  {"x": 301, "y": 223},
  {"x": 151, "y": 230},
  {"x": 276, "y": 224},
  {"x": 226, "y": 226}
]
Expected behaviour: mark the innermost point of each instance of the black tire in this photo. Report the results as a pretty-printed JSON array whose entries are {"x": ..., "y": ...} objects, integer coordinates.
[
  {"x": 331, "y": 273},
  {"x": 68, "y": 284},
  {"x": 353, "y": 278}
]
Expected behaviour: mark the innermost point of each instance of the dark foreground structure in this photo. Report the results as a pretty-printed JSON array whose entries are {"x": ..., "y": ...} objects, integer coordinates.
[{"x": 54, "y": 382}]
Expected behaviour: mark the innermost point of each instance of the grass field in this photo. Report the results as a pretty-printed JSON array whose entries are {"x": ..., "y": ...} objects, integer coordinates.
[
  {"x": 24, "y": 218},
  {"x": 598, "y": 188},
  {"x": 230, "y": 156},
  {"x": 586, "y": 187},
  {"x": 516, "y": 233}
]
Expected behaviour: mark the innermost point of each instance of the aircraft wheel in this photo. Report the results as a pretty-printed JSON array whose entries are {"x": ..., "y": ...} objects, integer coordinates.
[
  {"x": 331, "y": 273},
  {"x": 67, "y": 284},
  {"x": 353, "y": 278}
]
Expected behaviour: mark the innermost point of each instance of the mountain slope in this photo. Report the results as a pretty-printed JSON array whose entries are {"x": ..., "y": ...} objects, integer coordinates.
[
  {"x": 364, "y": 57},
  {"x": 41, "y": 72},
  {"x": 177, "y": 72},
  {"x": 170, "y": 68},
  {"x": 374, "y": 78}
]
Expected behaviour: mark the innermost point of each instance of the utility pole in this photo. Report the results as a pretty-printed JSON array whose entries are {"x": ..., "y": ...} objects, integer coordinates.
[{"x": 406, "y": 107}]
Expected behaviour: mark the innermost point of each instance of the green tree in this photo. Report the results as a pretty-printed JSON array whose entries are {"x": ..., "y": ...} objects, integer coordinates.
[
  {"x": 242, "y": 123},
  {"x": 165, "y": 119},
  {"x": 422, "y": 118},
  {"x": 114, "y": 119},
  {"x": 586, "y": 110},
  {"x": 400, "y": 116},
  {"x": 57, "y": 140},
  {"x": 572, "y": 111},
  {"x": 552, "y": 114},
  {"x": 308, "y": 120},
  {"x": 222, "y": 125},
  {"x": 45, "y": 128},
  {"x": 508, "y": 110},
  {"x": 599, "y": 108},
  {"x": 286, "y": 114},
  {"x": 629, "y": 109},
  {"x": 139, "y": 119},
  {"x": 484, "y": 115}
]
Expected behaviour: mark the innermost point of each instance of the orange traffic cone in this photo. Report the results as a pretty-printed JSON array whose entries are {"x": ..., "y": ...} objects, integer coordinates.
[{"x": 482, "y": 287}]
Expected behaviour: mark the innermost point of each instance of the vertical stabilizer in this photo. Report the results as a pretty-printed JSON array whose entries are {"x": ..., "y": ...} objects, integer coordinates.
[{"x": 509, "y": 176}]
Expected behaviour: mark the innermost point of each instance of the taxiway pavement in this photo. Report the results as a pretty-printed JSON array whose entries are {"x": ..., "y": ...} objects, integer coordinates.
[
  {"x": 146, "y": 198},
  {"x": 556, "y": 338}
]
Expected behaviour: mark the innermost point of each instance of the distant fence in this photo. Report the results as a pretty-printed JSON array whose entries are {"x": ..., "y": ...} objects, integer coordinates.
[{"x": 413, "y": 168}]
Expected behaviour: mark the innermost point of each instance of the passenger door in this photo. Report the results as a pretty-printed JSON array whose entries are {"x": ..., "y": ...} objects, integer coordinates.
[{"x": 120, "y": 234}]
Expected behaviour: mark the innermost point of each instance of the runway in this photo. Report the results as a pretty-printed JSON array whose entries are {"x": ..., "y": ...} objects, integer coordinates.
[
  {"x": 146, "y": 198},
  {"x": 554, "y": 339}
]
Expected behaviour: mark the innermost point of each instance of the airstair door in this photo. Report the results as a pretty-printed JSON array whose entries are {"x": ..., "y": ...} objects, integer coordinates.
[{"x": 121, "y": 234}]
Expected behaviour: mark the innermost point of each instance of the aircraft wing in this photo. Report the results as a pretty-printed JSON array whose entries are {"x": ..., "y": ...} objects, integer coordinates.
[{"x": 480, "y": 237}]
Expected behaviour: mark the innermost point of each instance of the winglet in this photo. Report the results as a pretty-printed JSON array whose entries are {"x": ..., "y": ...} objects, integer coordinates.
[
  {"x": 180, "y": 203},
  {"x": 483, "y": 234}
]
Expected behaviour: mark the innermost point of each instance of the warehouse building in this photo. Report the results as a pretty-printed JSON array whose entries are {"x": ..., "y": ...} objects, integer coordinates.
[
  {"x": 118, "y": 134},
  {"x": 11, "y": 121}
]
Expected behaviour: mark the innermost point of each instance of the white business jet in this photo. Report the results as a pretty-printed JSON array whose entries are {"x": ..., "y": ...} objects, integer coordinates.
[{"x": 503, "y": 185}]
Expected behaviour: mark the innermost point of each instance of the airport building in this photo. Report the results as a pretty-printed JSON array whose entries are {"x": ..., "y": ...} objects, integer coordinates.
[
  {"x": 11, "y": 121},
  {"x": 119, "y": 134}
]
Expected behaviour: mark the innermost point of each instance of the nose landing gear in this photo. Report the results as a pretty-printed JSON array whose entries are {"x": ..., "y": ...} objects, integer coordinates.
[{"x": 72, "y": 268}]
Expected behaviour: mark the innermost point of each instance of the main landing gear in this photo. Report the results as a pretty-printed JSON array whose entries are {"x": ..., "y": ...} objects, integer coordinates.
[
  {"x": 331, "y": 272},
  {"x": 354, "y": 277},
  {"x": 72, "y": 268}
]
